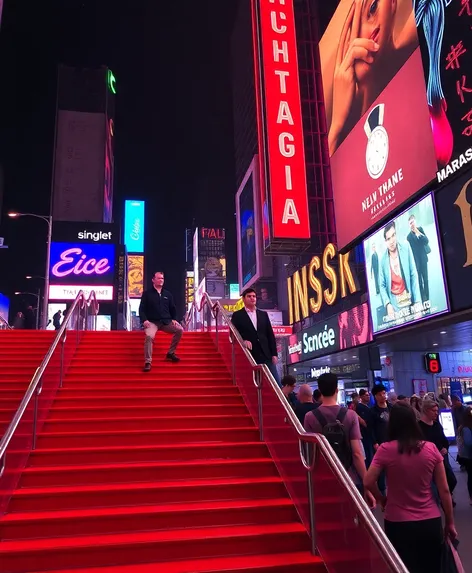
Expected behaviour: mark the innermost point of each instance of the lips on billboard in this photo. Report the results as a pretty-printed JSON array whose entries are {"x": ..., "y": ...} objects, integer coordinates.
[{"x": 280, "y": 122}]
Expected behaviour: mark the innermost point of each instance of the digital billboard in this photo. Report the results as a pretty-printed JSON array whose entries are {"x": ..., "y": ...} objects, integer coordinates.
[
  {"x": 348, "y": 329},
  {"x": 280, "y": 127},
  {"x": 82, "y": 263},
  {"x": 404, "y": 269},
  {"x": 248, "y": 223},
  {"x": 70, "y": 292},
  {"x": 397, "y": 100},
  {"x": 212, "y": 253},
  {"x": 454, "y": 206},
  {"x": 135, "y": 276},
  {"x": 134, "y": 226},
  {"x": 78, "y": 232}
]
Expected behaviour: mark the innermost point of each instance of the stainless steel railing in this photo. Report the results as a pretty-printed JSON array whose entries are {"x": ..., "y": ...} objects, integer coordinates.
[
  {"x": 80, "y": 316},
  {"x": 4, "y": 324},
  {"x": 210, "y": 316}
]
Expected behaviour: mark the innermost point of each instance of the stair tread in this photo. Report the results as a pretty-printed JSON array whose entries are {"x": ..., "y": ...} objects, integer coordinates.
[
  {"x": 150, "y": 418},
  {"x": 145, "y": 431},
  {"x": 145, "y": 447},
  {"x": 45, "y": 491},
  {"x": 158, "y": 464},
  {"x": 144, "y": 509},
  {"x": 162, "y": 536},
  {"x": 212, "y": 565}
]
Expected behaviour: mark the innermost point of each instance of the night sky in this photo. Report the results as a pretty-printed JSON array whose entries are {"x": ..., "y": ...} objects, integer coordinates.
[{"x": 173, "y": 124}]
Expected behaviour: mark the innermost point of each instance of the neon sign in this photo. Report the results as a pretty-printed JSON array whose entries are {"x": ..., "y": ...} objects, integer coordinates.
[
  {"x": 134, "y": 226},
  {"x": 111, "y": 81},
  {"x": 81, "y": 260},
  {"x": 280, "y": 120}
]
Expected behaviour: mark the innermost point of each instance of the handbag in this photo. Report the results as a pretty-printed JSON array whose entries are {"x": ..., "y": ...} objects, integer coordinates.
[{"x": 450, "y": 560}]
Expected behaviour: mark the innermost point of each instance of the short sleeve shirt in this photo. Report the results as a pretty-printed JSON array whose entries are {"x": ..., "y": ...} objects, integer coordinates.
[
  {"x": 409, "y": 477},
  {"x": 351, "y": 425}
]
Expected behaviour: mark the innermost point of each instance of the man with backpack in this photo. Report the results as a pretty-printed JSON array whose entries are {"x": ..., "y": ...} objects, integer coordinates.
[{"x": 340, "y": 426}]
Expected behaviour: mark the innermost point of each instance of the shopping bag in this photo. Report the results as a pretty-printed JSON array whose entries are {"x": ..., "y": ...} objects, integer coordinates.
[{"x": 450, "y": 560}]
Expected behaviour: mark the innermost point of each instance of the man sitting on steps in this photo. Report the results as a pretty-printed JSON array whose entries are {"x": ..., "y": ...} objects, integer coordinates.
[{"x": 157, "y": 312}]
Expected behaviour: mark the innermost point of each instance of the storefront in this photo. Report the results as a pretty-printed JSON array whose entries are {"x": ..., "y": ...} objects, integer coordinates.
[{"x": 339, "y": 344}]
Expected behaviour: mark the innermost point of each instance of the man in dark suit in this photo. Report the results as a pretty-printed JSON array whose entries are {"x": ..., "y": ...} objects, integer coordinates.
[
  {"x": 256, "y": 331},
  {"x": 419, "y": 244}
]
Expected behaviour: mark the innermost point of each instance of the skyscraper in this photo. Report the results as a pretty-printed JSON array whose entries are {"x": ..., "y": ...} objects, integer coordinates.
[{"x": 83, "y": 157}]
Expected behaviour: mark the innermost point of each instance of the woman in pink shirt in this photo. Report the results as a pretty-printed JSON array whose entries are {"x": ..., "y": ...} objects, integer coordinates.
[{"x": 412, "y": 517}]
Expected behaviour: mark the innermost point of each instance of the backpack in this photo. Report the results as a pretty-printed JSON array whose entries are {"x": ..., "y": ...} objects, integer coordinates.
[{"x": 335, "y": 433}]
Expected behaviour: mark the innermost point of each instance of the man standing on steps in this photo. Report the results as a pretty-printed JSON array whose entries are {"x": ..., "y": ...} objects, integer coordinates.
[
  {"x": 256, "y": 331},
  {"x": 157, "y": 312}
]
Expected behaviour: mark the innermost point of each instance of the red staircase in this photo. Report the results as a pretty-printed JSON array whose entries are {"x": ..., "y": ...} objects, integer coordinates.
[
  {"x": 144, "y": 472},
  {"x": 21, "y": 352}
]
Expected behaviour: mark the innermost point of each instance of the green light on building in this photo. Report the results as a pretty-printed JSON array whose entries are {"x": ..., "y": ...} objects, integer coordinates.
[{"x": 111, "y": 81}]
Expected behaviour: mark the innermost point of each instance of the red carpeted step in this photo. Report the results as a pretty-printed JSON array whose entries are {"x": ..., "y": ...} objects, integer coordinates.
[
  {"x": 134, "y": 494},
  {"x": 279, "y": 563},
  {"x": 154, "y": 546},
  {"x": 147, "y": 453},
  {"x": 56, "y": 439},
  {"x": 98, "y": 521},
  {"x": 145, "y": 471}
]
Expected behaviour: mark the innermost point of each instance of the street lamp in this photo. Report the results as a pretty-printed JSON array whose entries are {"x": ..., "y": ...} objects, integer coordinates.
[
  {"x": 48, "y": 259},
  {"x": 38, "y": 298}
]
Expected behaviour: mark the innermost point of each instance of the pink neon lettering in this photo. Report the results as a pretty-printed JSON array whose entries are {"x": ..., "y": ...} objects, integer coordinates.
[{"x": 71, "y": 265}]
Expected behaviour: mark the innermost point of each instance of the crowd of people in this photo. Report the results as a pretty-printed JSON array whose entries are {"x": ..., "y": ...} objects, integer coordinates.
[{"x": 397, "y": 455}]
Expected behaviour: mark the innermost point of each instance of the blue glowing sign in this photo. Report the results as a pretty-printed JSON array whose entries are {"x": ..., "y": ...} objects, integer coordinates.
[
  {"x": 134, "y": 226},
  {"x": 82, "y": 262}
]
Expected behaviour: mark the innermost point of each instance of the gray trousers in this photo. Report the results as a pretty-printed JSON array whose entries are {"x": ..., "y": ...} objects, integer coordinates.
[{"x": 151, "y": 332}]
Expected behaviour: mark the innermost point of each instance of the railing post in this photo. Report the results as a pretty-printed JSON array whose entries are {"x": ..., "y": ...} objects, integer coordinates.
[
  {"x": 233, "y": 359},
  {"x": 61, "y": 380},
  {"x": 35, "y": 413},
  {"x": 258, "y": 382},
  {"x": 311, "y": 500},
  {"x": 216, "y": 328}
]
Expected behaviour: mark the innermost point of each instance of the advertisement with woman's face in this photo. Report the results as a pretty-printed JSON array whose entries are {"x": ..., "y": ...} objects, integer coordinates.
[{"x": 377, "y": 111}]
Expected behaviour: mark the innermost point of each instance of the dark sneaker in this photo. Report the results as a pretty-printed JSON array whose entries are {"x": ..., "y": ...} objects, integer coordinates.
[
  {"x": 172, "y": 357},
  {"x": 147, "y": 367}
]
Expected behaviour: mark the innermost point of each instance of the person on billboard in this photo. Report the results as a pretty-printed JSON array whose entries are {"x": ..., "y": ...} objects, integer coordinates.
[
  {"x": 373, "y": 47},
  {"x": 157, "y": 311},
  {"x": 419, "y": 244},
  {"x": 398, "y": 277},
  {"x": 256, "y": 331},
  {"x": 265, "y": 301},
  {"x": 374, "y": 267}
]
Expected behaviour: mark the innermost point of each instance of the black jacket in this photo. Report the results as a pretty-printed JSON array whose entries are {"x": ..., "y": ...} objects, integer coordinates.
[
  {"x": 379, "y": 418},
  {"x": 262, "y": 340},
  {"x": 157, "y": 307}
]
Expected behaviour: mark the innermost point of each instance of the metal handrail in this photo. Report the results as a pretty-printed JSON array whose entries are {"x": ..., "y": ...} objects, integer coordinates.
[
  {"x": 34, "y": 385},
  {"x": 314, "y": 440},
  {"x": 3, "y": 321}
]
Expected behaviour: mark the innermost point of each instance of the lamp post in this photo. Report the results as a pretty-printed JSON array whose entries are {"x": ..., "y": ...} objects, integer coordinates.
[
  {"x": 38, "y": 298},
  {"x": 44, "y": 321}
]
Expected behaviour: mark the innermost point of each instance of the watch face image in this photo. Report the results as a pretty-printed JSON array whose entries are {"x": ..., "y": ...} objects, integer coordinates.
[{"x": 376, "y": 154}]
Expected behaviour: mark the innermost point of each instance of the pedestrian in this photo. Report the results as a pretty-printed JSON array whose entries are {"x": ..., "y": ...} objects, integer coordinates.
[
  {"x": 464, "y": 436},
  {"x": 157, "y": 311},
  {"x": 412, "y": 516}
]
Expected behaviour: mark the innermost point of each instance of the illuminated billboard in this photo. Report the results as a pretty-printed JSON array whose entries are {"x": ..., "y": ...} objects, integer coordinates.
[
  {"x": 134, "y": 226},
  {"x": 135, "y": 276},
  {"x": 70, "y": 292},
  {"x": 398, "y": 103},
  {"x": 283, "y": 176},
  {"x": 73, "y": 263},
  {"x": 404, "y": 269},
  {"x": 248, "y": 222}
]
